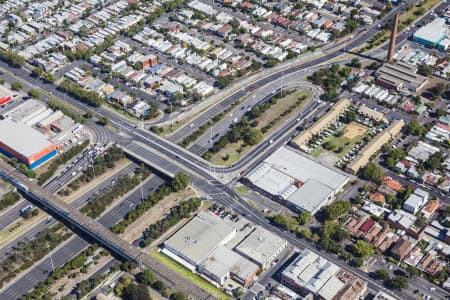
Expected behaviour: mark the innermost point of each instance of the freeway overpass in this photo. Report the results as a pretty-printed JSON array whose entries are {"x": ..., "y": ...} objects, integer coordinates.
[{"x": 96, "y": 232}]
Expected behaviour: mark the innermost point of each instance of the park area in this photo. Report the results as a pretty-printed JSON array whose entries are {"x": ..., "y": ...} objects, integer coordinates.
[
  {"x": 270, "y": 117},
  {"x": 343, "y": 139}
]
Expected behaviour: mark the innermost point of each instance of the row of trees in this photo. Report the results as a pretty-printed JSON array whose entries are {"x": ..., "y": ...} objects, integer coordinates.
[
  {"x": 88, "y": 97},
  {"x": 26, "y": 253},
  {"x": 245, "y": 129},
  {"x": 13, "y": 59},
  {"x": 100, "y": 166},
  {"x": 103, "y": 199},
  {"x": 180, "y": 182},
  {"x": 70, "y": 269},
  {"x": 61, "y": 159},
  {"x": 38, "y": 72},
  {"x": 67, "y": 111},
  {"x": 21, "y": 167},
  {"x": 396, "y": 282},
  {"x": 9, "y": 199},
  {"x": 147, "y": 278},
  {"x": 202, "y": 129},
  {"x": 177, "y": 213}
]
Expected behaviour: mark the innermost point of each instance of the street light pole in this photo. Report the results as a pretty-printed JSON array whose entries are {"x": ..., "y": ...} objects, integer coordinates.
[{"x": 51, "y": 259}]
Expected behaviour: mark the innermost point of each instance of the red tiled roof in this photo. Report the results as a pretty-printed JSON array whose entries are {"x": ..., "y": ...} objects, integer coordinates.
[{"x": 367, "y": 225}]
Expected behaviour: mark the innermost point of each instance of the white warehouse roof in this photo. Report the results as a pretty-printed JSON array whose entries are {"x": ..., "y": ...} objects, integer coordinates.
[{"x": 22, "y": 138}]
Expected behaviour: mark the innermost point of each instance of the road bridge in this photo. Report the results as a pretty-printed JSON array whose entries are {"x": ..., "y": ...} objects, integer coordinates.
[{"x": 97, "y": 232}]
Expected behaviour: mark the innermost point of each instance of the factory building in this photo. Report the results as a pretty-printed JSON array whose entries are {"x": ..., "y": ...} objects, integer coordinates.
[
  {"x": 296, "y": 181},
  {"x": 310, "y": 273},
  {"x": 221, "y": 250},
  {"x": 432, "y": 34},
  {"x": 5, "y": 95},
  {"x": 400, "y": 76},
  {"x": 363, "y": 158},
  {"x": 195, "y": 241},
  {"x": 224, "y": 263},
  {"x": 25, "y": 143},
  {"x": 262, "y": 247}
]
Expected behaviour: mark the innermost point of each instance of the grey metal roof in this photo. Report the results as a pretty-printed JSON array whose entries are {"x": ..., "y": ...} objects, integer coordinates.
[{"x": 198, "y": 238}]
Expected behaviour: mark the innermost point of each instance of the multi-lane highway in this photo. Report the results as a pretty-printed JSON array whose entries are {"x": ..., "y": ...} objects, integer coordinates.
[
  {"x": 205, "y": 141},
  {"x": 75, "y": 245},
  {"x": 167, "y": 155}
]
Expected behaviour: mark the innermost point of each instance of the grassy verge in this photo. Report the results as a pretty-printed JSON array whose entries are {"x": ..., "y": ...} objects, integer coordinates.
[
  {"x": 266, "y": 122},
  {"x": 242, "y": 189},
  {"x": 189, "y": 275}
]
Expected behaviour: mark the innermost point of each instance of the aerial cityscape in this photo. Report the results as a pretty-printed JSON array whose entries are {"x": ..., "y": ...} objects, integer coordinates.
[{"x": 225, "y": 149}]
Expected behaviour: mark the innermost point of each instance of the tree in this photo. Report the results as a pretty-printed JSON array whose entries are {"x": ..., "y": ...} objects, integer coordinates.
[
  {"x": 103, "y": 121},
  {"x": 135, "y": 292},
  {"x": 16, "y": 86},
  {"x": 238, "y": 293},
  {"x": 372, "y": 172},
  {"x": 177, "y": 296},
  {"x": 333, "y": 211},
  {"x": 355, "y": 63},
  {"x": 434, "y": 161},
  {"x": 424, "y": 69},
  {"x": 381, "y": 274},
  {"x": 34, "y": 93},
  {"x": 224, "y": 81},
  {"x": 180, "y": 182},
  {"x": 146, "y": 277},
  {"x": 37, "y": 72},
  {"x": 363, "y": 249},
  {"x": 304, "y": 218},
  {"x": 90, "y": 114},
  {"x": 415, "y": 128},
  {"x": 397, "y": 282}
]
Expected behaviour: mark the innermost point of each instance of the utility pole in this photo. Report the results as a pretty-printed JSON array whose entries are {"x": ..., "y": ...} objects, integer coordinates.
[
  {"x": 210, "y": 140},
  {"x": 51, "y": 259}
]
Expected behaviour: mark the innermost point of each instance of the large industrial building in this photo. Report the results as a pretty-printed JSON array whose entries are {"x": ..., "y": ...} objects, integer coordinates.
[
  {"x": 332, "y": 115},
  {"x": 300, "y": 182},
  {"x": 262, "y": 247},
  {"x": 363, "y": 158},
  {"x": 312, "y": 274},
  {"x": 25, "y": 143},
  {"x": 400, "y": 76},
  {"x": 33, "y": 132},
  {"x": 199, "y": 238},
  {"x": 222, "y": 249},
  {"x": 433, "y": 34}
]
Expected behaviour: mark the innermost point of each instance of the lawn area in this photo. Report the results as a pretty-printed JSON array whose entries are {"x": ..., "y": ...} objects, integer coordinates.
[
  {"x": 274, "y": 116},
  {"x": 189, "y": 275},
  {"x": 340, "y": 144},
  {"x": 242, "y": 189}
]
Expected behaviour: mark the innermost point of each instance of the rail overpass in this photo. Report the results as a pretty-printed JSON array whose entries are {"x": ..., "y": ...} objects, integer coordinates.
[{"x": 96, "y": 232}]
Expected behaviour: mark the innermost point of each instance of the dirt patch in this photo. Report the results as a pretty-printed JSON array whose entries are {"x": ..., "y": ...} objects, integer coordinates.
[
  {"x": 154, "y": 214},
  {"x": 354, "y": 130}
]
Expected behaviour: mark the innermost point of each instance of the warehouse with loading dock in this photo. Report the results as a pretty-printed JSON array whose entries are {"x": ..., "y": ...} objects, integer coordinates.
[{"x": 25, "y": 143}]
